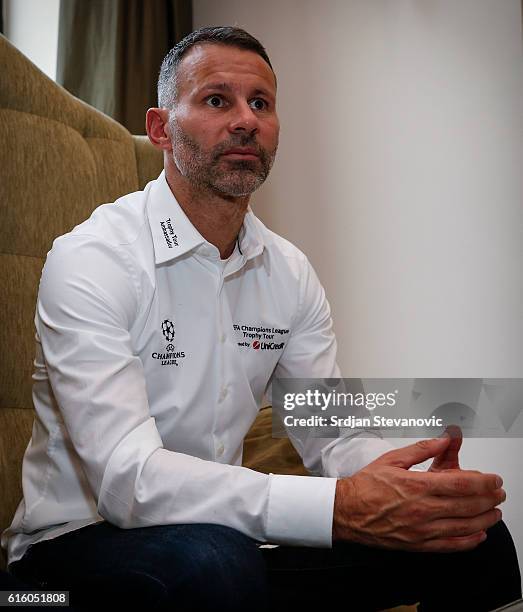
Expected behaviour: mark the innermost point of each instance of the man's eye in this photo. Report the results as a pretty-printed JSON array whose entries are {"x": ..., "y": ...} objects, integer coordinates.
[
  {"x": 258, "y": 104},
  {"x": 215, "y": 101}
]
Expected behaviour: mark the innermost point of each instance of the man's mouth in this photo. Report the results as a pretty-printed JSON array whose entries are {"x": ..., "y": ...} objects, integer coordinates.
[{"x": 241, "y": 153}]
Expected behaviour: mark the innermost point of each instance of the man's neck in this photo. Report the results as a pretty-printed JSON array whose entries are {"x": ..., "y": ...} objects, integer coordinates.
[{"x": 217, "y": 217}]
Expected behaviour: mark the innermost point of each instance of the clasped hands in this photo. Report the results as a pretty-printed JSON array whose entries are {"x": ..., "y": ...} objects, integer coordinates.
[{"x": 445, "y": 509}]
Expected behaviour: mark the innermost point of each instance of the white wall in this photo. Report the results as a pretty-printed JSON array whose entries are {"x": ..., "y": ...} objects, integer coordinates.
[
  {"x": 32, "y": 26},
  {"x": 399, "y": 174}
]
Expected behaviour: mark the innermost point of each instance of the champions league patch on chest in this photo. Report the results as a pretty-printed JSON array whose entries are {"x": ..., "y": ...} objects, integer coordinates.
[
  {"x": 170, "y": 355},
  {"x": 260, "y": 338}
]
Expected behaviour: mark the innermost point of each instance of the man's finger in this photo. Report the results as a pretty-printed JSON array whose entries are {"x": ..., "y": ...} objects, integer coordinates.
[
  {"x": 449, "y": 459},
  {"x": 410, "y": 455},
  {"x": 456, "y": 527},
  {"x": 453, "y": 544},
  {"x": 458, "y": 483},
  {"x": 462, "y": 507}
]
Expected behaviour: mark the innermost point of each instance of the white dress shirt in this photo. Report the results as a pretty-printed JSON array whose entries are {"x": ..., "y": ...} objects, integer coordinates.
[{"x": 150, "y": 368}]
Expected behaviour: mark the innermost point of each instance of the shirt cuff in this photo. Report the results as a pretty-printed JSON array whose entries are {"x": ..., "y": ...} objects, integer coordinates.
[{"x": 300, "y": 510}]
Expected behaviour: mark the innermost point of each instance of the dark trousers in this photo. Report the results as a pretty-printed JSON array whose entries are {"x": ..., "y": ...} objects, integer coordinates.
[{"x": 212, "y": 567}]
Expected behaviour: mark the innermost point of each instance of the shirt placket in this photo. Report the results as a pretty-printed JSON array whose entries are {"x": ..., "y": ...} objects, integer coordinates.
[{"x": 223, "y": 399}]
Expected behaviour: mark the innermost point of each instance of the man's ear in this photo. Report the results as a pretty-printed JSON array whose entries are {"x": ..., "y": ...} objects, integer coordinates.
[{"x": 157, "y": 126}]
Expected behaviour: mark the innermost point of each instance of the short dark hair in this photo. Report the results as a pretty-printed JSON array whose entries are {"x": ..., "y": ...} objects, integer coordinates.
[{"x": 222, "y": 35}]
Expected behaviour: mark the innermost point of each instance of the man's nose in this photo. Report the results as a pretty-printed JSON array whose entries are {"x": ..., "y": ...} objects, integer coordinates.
[{"x": 243, "y": 119}]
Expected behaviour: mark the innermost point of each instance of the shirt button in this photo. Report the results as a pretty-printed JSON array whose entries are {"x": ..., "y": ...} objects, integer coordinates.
[
  {"x": 223, "y": 394},
  {"x": 219, "y": 450}
]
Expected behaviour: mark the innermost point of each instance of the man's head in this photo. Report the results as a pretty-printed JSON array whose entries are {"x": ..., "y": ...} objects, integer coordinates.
[
  {"x": 223, "y": 35},
  {"x": 217, "y": 119}
]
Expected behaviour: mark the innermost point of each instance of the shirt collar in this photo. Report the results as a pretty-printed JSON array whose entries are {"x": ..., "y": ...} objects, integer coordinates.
[
  {"x": 250, "y": 238},
  {"x": 174, "y": 235}
]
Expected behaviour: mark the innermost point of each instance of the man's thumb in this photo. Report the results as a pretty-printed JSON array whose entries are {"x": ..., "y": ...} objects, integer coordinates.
[{"x": 410, "y": 455}]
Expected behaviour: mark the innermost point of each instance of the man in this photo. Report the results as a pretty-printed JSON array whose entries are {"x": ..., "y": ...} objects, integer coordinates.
[{"x": 145, "y": 388}]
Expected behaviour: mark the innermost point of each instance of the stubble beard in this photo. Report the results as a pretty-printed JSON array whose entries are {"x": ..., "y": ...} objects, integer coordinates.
[{"x": 210, "y": 171}]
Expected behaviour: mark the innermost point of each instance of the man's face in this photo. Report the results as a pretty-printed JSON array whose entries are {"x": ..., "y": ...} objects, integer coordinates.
[{"x": 224, "y": 127}]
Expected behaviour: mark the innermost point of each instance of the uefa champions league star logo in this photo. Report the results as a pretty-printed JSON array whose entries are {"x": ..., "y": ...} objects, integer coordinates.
[
  {"x": 168, "y": 333},
  {"x": 169, "y": 356},
  {"x": 168, "y": 330}
]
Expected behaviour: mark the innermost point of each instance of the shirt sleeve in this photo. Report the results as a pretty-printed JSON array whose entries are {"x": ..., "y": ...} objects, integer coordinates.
[
  {"x": 311, "y": 353},
  {"x": 88, "y": 302}
]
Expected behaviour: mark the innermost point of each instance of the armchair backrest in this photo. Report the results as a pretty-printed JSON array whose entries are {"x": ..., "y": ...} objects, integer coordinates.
[{"x": 60, "y": 158}]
